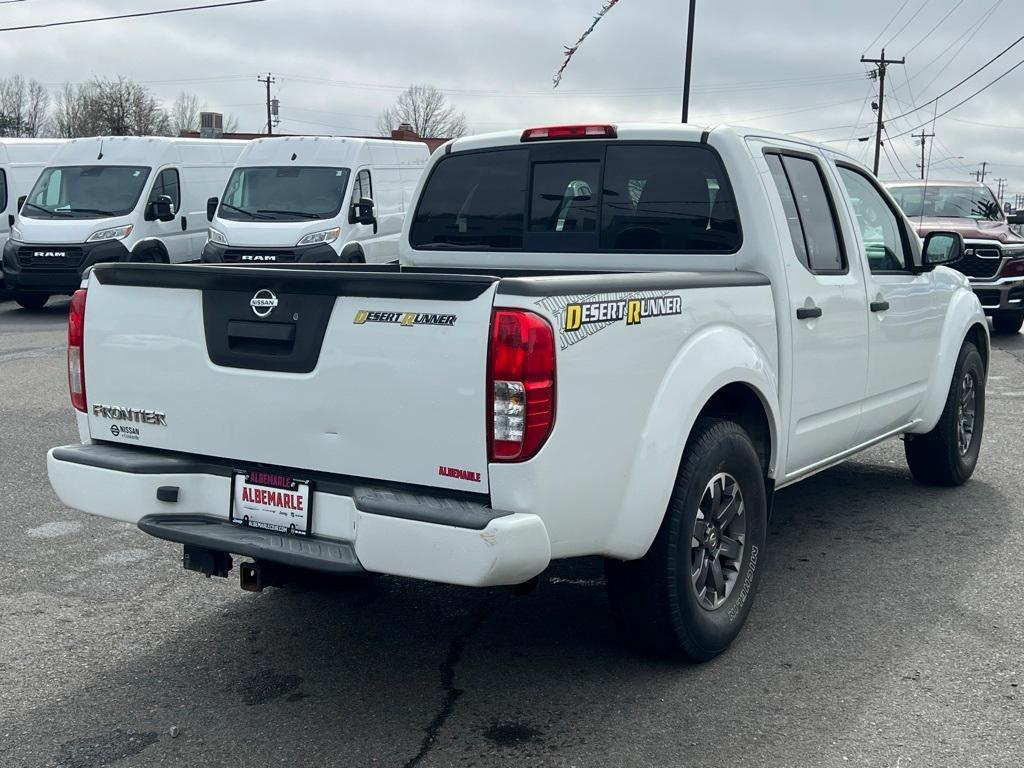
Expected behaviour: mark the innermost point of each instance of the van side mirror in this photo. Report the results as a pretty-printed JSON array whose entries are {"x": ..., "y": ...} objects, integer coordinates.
[
  {"x": 10, "y": 219},
  {"x": 21, "y": 202},
  {"x": 161, "y": 209},
  {"x": 362, "y": 212},
  {"x": 211, "y": 208},
  {"x": 942, "y": 248}
]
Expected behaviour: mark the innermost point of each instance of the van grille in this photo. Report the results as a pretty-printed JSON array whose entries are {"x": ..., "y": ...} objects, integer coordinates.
[
  {"x": 43, "y": 257},
  {"x": 256, "y": 256}
]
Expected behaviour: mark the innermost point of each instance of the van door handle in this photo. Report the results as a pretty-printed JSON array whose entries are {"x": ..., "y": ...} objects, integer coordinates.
[
  {"x": 879, "y": 306},
  {"x": 808, "y": 313},
  {"x": 184, "y": 223}
]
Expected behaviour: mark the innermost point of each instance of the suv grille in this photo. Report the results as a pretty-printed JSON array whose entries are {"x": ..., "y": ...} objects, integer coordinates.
[
  {"x": 980, "y": 262},
  {"x": 43, "y": 257},
  {"x": 258, "y": 255}
]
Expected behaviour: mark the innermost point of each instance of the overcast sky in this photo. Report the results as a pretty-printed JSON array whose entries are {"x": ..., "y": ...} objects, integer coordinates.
[{"x": 791, "y": 65}]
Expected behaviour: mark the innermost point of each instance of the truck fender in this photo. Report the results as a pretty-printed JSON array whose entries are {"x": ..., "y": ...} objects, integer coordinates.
[
  {"x": 149, "y": 245},
  {"x": 963, "y": 316},
  {"x": 717, "y": 357}
]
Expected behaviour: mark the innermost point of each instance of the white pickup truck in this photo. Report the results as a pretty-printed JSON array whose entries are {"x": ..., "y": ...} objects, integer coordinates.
[{"x": 600, "y": 340}]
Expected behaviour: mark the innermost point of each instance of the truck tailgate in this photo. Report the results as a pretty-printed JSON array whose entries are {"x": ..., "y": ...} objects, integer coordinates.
[{"x": 365, "y": 374}]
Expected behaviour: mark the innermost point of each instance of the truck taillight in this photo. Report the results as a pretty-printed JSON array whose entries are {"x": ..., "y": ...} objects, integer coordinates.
[
  {"x": 521, "y": 382},
  {"x": 76, "y": 344}
]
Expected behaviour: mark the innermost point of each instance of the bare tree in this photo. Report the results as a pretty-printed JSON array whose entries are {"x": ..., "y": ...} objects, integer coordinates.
[
  {"x": 185, "y": 113},
  {"x": 24, "y": 107},
  {"x": 101, "y": 107},
  {"x": 426, "y": 109}
]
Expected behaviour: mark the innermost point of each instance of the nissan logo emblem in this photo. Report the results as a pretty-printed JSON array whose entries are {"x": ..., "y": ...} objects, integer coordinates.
[{"x": 263, "y": 302}]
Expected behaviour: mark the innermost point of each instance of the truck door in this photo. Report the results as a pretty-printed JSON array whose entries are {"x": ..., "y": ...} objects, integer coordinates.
[
  {"x": 906, "y": 311},
  {"x": 827, "y": 310},
  {"x": 171, "y": 233}
]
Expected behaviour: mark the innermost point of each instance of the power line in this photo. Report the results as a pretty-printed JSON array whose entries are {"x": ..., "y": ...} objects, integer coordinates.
[
  {"x": 970, "y": 33},
  {"x": 928, "y": 34},
  {"x": 907, "y": 22},
  {"x": 887, "y": 25},
  {"x": 961, "y": 103},
  {"x": 129, "y": 15}
]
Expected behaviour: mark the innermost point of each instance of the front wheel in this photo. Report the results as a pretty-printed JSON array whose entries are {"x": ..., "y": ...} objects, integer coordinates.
[
  {"x": 689, "y": 596},
  {"x": 949, "y": 453},
  {"x": 1007, "y": 322},
  {"x": 31, "y": 301}
]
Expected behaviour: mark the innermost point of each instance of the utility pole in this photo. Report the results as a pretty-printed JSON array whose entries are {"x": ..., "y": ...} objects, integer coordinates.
[
  {"x": 999, "y": 190},
  {"x": 979, "y": 175},
  {"x": 689, "y": 62},
  {"x": 881, "y": 65},
  {"x": 922, "y": 136},
  {"x": 267, "y": 81}
]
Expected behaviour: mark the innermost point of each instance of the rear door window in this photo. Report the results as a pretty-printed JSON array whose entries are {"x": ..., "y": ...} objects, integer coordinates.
[
  {"x": 813, "y": 228},
  {"x": 580, "y": 196}
]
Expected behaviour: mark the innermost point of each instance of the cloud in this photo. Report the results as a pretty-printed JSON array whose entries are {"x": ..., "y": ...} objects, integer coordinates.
[{"x": 788, "y": 65}]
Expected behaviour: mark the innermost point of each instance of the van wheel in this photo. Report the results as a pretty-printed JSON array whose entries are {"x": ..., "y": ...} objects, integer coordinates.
[
  {"x": 689, "y": 596},
  {"x": 1007, "y": 322},
  {"x": 949, "y": 453},
  {"x": 31, "y": 301},
  {"x": 148, "y": 256}
]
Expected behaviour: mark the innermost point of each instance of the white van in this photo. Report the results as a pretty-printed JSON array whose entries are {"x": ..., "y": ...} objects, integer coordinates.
[
  {"x": 124, "y": 198},
  {"x": 315, "y": 199},
  {"x": 21, "y": 162}
]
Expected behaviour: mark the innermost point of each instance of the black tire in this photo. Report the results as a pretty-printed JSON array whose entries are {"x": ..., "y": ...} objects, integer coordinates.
[
  {"x": 148, "y": 256},
  {"x": 32, "y": 301},
  {"x": 655, "y": 603},
  {"x": 1007, "y": 322},
  {"x": 937, "y": 458}
]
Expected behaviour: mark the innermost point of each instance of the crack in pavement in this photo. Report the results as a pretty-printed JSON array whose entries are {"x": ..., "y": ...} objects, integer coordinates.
[
  {"x": 447, "y": 670},
  {"x": 21, "y": 354}
]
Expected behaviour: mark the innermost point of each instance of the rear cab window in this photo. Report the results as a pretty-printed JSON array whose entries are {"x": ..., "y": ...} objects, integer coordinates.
[{"x": 585, "y": 196}]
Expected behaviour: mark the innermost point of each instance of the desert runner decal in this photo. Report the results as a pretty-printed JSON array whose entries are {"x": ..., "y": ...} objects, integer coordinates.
[
  {"x": 580, "y": 317},
  {"x": 408, "y": 319}
]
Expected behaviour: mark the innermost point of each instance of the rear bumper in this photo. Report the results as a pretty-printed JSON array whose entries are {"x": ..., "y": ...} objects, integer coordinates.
[
  {"x": 1005, "y": 293},
  {"x": 355, "y": 526}
]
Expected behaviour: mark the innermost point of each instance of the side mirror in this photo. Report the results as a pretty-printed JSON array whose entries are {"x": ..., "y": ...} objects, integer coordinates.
[
  {"x": 211, "y": 208},
  {"x": 10, "y": 219},
  {"x": 1016, "y": 218},
  {"x": 161, "y": 209},
  {"x": 21, "y": 201},
  {"x": 942, "y": 248},
  {"x": 363, "y": 211}
]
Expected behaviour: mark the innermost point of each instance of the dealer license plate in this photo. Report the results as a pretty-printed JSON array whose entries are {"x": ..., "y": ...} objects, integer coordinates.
[{"x": 272, "y": 502}]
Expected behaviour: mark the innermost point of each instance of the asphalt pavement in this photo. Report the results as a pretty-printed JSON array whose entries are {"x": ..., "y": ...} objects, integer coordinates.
[{"x": 887, "y": 632}]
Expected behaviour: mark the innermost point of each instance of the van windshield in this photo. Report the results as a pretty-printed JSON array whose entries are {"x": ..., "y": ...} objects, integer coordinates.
[
  {"x": 948, "y": 202},
  {"x": 86, "y": 192},
  {"x": 284, "y": 193}
]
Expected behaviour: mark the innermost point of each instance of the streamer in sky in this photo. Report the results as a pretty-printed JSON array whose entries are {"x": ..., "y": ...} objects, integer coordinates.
[{"x": 570, "y": 52}]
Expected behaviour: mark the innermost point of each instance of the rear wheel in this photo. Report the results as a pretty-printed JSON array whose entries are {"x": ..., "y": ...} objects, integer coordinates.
[
  {"x": 32, "y": 301},
  {"x": 949, "y": 453},
  {"x": 689, "y": 596},
  {"x": 1007, "y": 322}
]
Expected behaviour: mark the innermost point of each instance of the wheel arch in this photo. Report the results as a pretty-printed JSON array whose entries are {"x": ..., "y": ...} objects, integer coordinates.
[
  {"x": 148, "y": 245},
  {"x": 965, "y": 321},
  {"x": 724, "y": 374},
  {"x": 352, "y": 254}
]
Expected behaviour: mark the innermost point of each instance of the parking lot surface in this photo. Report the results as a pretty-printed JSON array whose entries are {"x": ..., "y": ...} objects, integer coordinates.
[{"x": 887, "y": 632}]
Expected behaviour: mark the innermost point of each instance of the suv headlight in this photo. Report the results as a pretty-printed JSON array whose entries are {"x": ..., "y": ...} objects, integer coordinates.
[
  {"x": 318, "y": 238},
  {"x": 216, "y": 236},
  {"x": 15, "y": 235},
  {"x": 112, "y": 233}
]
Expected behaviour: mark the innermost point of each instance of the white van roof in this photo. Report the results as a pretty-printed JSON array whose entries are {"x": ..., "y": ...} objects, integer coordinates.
[
  {"x": 150, "y": 151},
  {"x": 28, "y": 151},
  {"x": 332, "y": 152}
]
